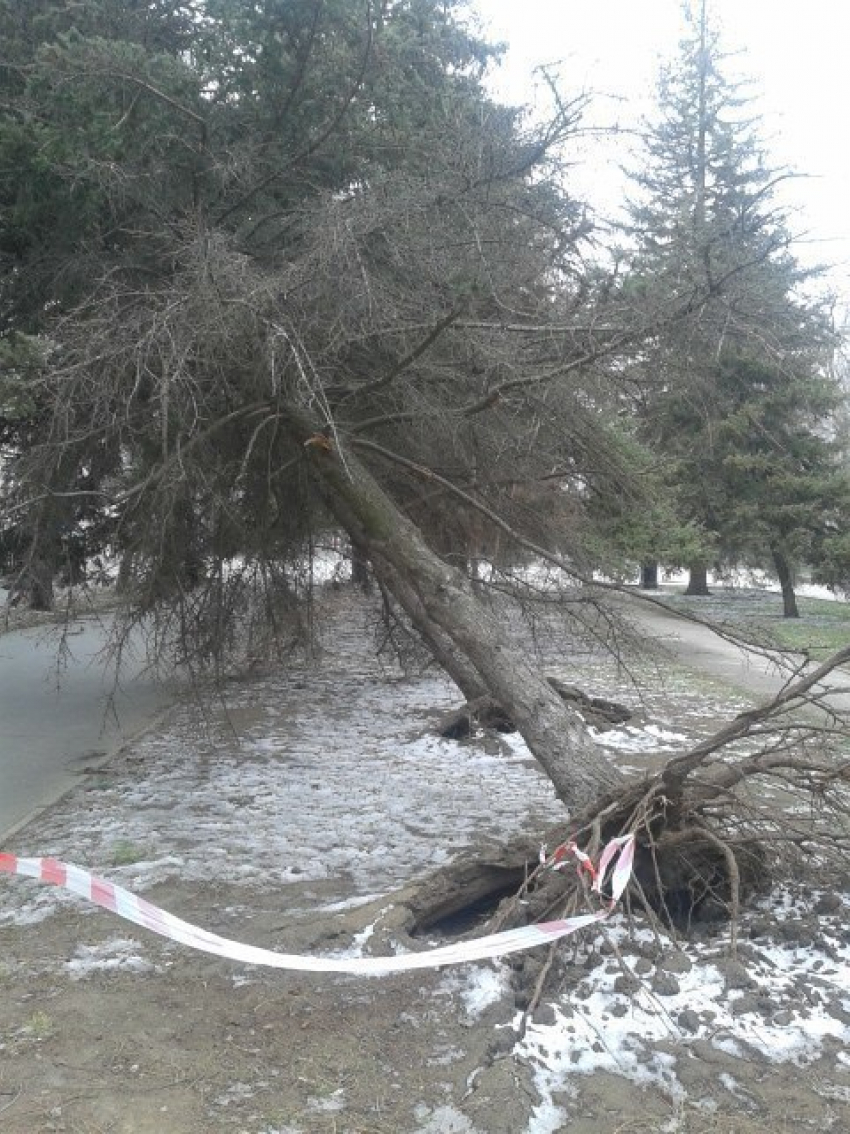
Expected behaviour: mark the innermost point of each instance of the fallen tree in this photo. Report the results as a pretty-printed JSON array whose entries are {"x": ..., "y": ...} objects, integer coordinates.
[
  {"x": 702, "y": 829},
  {"x": 446, "y": 603},
  {"x": 766, "y": 795},
  {"x": 359, "y": 300}
]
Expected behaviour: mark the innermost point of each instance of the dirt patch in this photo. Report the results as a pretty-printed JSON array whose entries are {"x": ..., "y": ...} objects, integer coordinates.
[
  {"x": 178, "y": 1042},
  {"x": 290, "y": 822},
  {"x": 69, "y": 606},
  {"x": 103, "y": 1031}
]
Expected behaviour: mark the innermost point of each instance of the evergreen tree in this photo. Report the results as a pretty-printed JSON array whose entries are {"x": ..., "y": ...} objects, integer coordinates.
[
  {"x": 781, "y": 487},
  {"x": 315, "y": 276},
  {"x": 748, "y": 371},
  {"x": 315, "y": 197},
  {"x": 284, "y": 265}
]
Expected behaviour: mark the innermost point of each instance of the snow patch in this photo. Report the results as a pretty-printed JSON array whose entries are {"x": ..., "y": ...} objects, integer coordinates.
[
  {"x": 646, "y": 738},
  {"x": 120, "y": 954},
  {"x": 599, "y": 1028},
  {"x": 328, "y": 1104},
  {"x": 442, "y": 1120},
  {"x": 478, "y": 986}
]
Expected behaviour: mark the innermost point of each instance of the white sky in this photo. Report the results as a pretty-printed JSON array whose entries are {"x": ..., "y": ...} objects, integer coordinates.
[{"x": 797, "y": 55}]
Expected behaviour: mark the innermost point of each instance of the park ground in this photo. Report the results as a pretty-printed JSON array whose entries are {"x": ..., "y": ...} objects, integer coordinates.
[{"x": 291, "y": 810}]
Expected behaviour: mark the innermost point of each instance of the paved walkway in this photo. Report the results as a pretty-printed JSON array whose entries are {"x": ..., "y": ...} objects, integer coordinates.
[
  {"x": 54, "y": 722},
  {"x": 700, "y": 649}
]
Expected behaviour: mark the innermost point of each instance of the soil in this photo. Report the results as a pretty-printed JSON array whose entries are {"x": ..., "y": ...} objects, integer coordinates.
[
  {"x": 189, "y": 1045},
  {"x": 166, "y": 1041},
  {"x": 69, "y": 604}
]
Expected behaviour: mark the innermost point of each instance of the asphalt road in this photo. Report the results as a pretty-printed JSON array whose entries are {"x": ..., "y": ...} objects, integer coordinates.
[{"x": 56, "y": 721}]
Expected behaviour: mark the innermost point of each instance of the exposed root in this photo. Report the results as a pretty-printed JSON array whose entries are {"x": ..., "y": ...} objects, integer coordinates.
[
  {"x": 538, "y": 990},
  {"x": 766, "y": 796},
  {"x": 733, "y": 872},
  {"x": 485, "y": 712}
]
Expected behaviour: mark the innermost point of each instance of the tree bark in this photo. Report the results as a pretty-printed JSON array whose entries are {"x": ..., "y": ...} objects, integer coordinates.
[
  {"x": 579, "y": 770},
  {"x": 786, "y": 583},
  {"x": 39, "y": 576},
  {"x": 361, "y": 575},
  {"x": 649, "y": 576},
  {"x": 698, "y": 580},
  {"x": 442, "y": 649}
]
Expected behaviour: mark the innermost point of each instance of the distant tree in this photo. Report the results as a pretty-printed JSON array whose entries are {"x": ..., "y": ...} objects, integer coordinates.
[
  {"x": 771, "y": 476},
  {"x": 705, "y": 218},
  {"x": 645, "y": 531}
]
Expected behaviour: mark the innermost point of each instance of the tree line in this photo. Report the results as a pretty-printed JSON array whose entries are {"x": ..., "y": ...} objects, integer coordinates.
[{"x": 212, "y": 208}]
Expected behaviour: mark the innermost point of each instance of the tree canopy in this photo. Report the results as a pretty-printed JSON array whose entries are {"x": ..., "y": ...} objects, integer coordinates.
[
  {"x": 214, "y": 214},
  {"x": 312, "y": 202},
  {"x": 739, "y": 400}
]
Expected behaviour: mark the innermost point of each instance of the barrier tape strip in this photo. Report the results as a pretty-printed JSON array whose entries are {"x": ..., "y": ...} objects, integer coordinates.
[{"x": 135, "y": 909}]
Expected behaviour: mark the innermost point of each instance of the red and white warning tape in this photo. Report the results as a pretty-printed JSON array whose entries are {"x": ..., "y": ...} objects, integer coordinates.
[{"x": 133, "y": 908}]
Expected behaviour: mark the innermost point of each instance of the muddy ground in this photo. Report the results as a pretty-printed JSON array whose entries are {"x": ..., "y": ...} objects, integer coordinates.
[
  {"x": 106, "y": 1028},
  {"x": 188, "y": 1047}
]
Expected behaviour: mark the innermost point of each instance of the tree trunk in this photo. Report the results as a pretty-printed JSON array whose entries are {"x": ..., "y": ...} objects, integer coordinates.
[
  {"x": 786, "y": 582},
  {"x": 40, "y": 584},
  {"x": 579, "y": 770},
  {"x": 649, "y": 576},
  {"x": 698, "y": 580},
  {"x": 126, "y": 565},
  {"x": 361, "y": 575},
  {"x": 442, "y": 649}
]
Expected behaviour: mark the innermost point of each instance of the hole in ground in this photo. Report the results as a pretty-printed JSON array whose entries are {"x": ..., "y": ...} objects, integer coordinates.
[
  {"x": 452, "y": 914},
  {"x": 689, "y": 886}
]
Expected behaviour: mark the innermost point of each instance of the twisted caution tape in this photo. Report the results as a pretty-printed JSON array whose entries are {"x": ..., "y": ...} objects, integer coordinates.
[{"x": 618, "y": 854}]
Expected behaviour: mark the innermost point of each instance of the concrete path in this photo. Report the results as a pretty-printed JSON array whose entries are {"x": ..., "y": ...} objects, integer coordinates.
[
  {"x": 56, "y": 721},
  {"x": 701, "y": 650}
]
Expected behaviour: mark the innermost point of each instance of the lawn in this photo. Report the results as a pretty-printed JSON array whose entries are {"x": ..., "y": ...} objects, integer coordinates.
[{"x": 822, "y": 628}]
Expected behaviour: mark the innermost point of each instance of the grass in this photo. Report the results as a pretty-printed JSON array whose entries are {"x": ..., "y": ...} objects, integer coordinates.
[
  {"x": 125, "y": 853},
  {"x": 38, "y": 1027},
  {"x": 822, "y": 628}
]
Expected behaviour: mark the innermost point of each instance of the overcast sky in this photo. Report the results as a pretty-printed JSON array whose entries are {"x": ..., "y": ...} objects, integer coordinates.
[{"x": 796, "y": 54}]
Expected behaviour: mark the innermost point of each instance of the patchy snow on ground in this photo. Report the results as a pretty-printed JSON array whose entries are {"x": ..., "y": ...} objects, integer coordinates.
[
  {"x": 442, "y": 1120},
  {"x": 753, "y": 578},
  {"x": 331, "y": 771},
  {"x": 477, "y": 986},
  {"x": 119, "y": 953},
  {"x": 361, "y": 796},
  {"x": 650, "y": 738},
  {"x": 779, "y": 1001},
  {"x": 327, "y": 771}
]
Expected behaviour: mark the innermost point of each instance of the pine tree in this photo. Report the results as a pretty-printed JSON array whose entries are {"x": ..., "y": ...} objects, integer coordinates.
[{"x": 705, "y": 222}]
